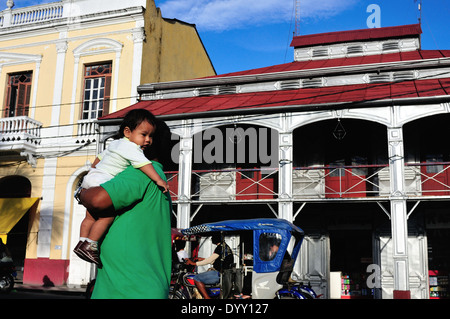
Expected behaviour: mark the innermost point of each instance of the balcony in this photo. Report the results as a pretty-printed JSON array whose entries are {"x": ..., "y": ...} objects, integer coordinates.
[
  {"x": 63, "y": 12},
  {"x": 421, "y": 180},
  {"x": 32, "y": 14},
  {"x": 19, "y": 135},
  {"x": 86, "y": 131}
]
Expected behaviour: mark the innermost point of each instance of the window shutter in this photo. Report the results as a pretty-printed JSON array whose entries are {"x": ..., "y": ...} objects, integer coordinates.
[
  {"x": 27, "y": 99},
  {"x": 21, "y": 99},
  {"x": 107, "y": 95},
  {"x": 7, "y": 102}
]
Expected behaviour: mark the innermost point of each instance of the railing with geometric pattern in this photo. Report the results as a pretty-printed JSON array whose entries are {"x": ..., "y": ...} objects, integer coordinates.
[{"x": 318, "y": 182}]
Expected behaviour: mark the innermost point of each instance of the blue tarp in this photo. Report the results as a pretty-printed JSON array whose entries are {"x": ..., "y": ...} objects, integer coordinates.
[{"x": 243, "y": 224}]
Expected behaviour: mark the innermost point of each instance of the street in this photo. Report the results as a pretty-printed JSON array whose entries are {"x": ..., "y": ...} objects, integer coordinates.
[{"x": 40, "y": 294}]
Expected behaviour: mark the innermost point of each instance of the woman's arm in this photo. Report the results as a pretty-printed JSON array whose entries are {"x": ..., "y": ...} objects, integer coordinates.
[{"x": 96, "y": 200}]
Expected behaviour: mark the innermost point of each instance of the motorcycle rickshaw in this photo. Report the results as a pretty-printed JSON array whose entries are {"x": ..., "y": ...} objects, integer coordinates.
[{"x": 276, "y": 244}]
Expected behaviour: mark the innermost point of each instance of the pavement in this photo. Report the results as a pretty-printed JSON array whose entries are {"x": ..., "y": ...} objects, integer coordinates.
[
  {"x": 64, "y": 289},
  {"x": 19, "y": 286}
]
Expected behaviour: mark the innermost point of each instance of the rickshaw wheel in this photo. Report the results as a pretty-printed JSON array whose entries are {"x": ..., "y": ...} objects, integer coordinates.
[{"x": 286, "y": 297}]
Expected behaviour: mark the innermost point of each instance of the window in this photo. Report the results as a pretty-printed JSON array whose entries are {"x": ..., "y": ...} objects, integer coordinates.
[
  {"x": 18, "y": 94},
  {"x": 97, "y": 87},
  {"x": 268, "y": 246}
]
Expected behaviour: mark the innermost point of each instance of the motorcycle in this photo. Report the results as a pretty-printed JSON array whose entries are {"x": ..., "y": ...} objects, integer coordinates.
[
  {"x": 7, "y": 276},
  {"x": 183, "y": 286},
  {"x": 276, "y": 244}
]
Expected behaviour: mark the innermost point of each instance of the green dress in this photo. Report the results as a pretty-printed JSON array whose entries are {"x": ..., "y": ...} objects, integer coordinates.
[{"x": 136, "y": 251}]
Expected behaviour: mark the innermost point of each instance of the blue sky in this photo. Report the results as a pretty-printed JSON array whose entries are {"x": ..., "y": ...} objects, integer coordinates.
[{"x": 241, "y": 35}]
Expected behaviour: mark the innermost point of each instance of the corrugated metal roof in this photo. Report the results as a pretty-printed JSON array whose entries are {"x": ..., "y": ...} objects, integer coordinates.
[
  {"x": 347, "y": 61},
  {"x": 356, "y": 35},
  {"x": 298, "y": 97}
]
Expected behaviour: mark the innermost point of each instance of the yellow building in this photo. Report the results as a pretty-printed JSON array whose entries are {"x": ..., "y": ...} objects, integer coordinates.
[{"x": 63, "y": 65}]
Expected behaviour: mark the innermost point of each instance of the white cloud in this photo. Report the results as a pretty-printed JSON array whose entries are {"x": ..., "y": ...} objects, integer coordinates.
[{"x": 219, "y": 15}]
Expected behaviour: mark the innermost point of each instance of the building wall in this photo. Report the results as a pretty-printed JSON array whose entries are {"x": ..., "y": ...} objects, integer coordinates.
[
  {"x": 173, "y": 50},
  {"x": 405, "y": 245}
]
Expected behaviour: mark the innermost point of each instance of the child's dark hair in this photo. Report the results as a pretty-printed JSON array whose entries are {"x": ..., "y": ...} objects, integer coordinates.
[{"x": 134, "y": 118}]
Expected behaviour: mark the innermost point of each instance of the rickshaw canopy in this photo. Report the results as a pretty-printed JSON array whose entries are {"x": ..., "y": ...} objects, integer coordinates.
[
  {"x": 178, "y": 235},
  {"x": 244, "y": 224},
  {"x": 280, "y": 230}
]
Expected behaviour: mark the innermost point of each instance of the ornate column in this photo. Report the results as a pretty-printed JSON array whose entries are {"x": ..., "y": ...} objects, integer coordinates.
[
  {"x": 61, "y": 49},
  {"x": 399, "y": 222},
  {"x": 184, "y": 178},
  {"x": 285, "y": 205}
]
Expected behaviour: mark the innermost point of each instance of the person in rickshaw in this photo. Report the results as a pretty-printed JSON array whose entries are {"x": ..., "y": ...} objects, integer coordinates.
[
  {"x": 221, "y": 259},
  {"x": 182, "y": 255}
]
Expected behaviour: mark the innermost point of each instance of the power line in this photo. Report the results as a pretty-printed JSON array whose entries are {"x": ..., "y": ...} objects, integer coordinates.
[{"x": 80, "y": 102}]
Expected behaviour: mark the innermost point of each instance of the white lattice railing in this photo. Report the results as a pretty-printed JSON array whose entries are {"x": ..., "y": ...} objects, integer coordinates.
[
  {"x": 229, "y": 184},
  {"x": 361, "y": 181}
]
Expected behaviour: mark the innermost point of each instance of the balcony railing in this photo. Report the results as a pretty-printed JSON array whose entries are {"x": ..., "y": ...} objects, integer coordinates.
[
  {"x": 229, "y": 184},
  {"x": 86, "y": 131},
  {"x": 32, "y": 14},
  {"x": 19, "y": 133},
  {"x": 325, "y": 182}
]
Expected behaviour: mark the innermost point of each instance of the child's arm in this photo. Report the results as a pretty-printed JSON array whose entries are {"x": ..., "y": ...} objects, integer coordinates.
[
  {"x": 95, "y": 162},
  {"x": 150, "y": 172}
]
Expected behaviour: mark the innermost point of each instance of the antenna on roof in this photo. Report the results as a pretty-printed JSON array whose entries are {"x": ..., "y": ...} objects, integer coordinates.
[
  {"x": 420, "y": 11},
  {"x": 297, "y": 18},
  {"x": 420, "y": 19}
]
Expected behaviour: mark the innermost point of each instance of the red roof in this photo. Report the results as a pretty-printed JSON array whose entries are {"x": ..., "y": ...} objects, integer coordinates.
[
  {"x": 329, "y": 63},
  {"x": 298, "y": 97},
  {"x": 356, "y": 35}
]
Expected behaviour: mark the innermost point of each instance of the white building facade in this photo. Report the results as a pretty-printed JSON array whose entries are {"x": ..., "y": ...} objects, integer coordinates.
[{"x": 347, "y": 144}]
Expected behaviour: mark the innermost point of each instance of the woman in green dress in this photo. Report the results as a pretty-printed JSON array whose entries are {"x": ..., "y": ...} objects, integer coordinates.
[{"x": 136, "y": 251}]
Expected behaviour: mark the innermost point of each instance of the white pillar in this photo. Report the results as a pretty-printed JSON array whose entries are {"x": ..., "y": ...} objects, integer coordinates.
[
  {"x": 285, "y": 205},
  {"x": 138, "y": 40},
  {"x": 399, "y": 222},
  {"x": 47, "y": 204},
  {"x": 184, "y": 182},
  {"x": 61, "y": 48}
]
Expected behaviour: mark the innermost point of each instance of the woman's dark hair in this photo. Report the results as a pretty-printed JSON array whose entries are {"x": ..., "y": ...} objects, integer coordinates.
[
  {"x": 161, "y": 148},
  {"x": 134, "y": 118}
]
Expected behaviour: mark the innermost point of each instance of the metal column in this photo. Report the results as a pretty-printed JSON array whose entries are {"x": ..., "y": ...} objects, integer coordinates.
[
  {"x": 399, "y": 221},
  {"x": 184, "y": 182},
  {"x": 285, "y": 205}
]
